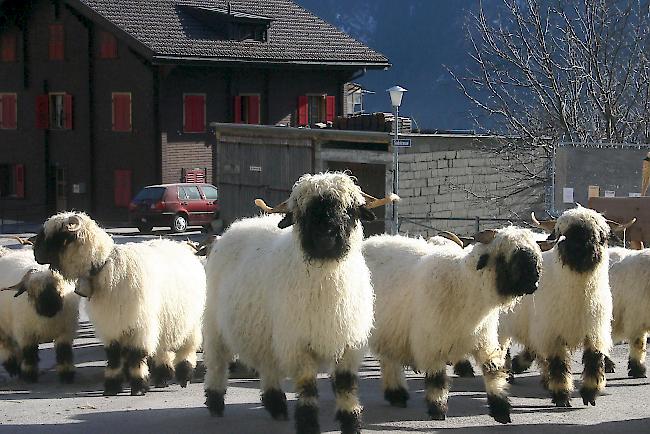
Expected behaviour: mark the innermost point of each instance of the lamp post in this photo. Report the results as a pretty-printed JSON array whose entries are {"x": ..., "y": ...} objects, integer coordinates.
[{"x": 396, "y": 93}]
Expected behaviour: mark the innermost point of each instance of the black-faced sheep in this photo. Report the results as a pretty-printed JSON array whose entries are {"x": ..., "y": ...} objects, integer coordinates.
[
  {"x": 48, "y": 311},
  {"x": 144, "y": 299},
  {"x": 572, "y": 308},
  {"x": 436, "y": 304},
  {"x": 289, "y": 294}
]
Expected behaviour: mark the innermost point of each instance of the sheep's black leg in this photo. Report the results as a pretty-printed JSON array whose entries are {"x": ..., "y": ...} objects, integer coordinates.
[
  {"x": 636, "y": 363},
  {"x": 348, "y": 408},
  {"x": 216, "y": 357},
  {"x": 560, "y": 382},
  {"x": 464, "y": 368},
  {"x": 9, "y": 358},
  {"x": 593, "y": 375},
  {"x": 113, "y": 375},
  {"x": 29, "y": 365},
  {"x": 136, "y": 359},
  {"x": 436, "y": 386},
  {"x": 522, "y": 361},
  {"x": 161, "y": 374},
  {"x": 610, "y": 366},
  {"x": 273, "y": 398},
  {"x": 64, "y": 361},
  {"x": 394, "y": 383},
  {"x": 495, "y": 378},
  {"x": 306, "y": 414}
]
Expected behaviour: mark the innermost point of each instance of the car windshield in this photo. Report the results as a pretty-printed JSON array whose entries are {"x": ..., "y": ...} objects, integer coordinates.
[{"x": 150, "y": 194}]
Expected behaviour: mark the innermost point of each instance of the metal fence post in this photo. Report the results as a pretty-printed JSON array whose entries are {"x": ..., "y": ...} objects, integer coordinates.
[{"x": 478, "y": 224}]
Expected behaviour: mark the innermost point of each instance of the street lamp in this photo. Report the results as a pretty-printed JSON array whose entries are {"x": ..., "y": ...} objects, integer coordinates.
[{"x": 396, "y": 93}]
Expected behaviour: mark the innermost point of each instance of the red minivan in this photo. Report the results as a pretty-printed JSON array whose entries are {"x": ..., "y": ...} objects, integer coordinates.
[{"x": 174, "y": 205}]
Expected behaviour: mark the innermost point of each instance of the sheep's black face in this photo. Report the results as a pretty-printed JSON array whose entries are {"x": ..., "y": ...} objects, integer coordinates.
[
  {"x": 49, "y": 302},
  {"x": 47, "y": 250},
  {"x": 583, "y": 246},
  {"x": 519, "y": 275},
  {"x": 325, "y": 229}
]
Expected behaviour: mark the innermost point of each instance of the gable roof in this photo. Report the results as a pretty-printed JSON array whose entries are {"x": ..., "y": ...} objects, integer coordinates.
[{"x": 170, "y": 33}]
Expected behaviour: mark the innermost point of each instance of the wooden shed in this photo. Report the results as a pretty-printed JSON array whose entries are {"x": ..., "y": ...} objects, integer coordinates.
[
  {"x": 252, "y": 161},
  {"x": 624, "y": 209}
]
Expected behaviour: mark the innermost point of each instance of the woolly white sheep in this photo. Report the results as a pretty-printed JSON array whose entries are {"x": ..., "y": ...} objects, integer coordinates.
[
  {"x": 436, "y": 304},
  {"x": 629, "y": 279},
  {"x": 48, "y": 311},
  {"x": 144, "y": 299},
  {"x": 288, "y": 299},
  {"x": 571, "y": 309}
]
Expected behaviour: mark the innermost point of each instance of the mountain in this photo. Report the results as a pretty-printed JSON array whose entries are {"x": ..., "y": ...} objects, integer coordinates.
[{"x": 419, "y": 37}]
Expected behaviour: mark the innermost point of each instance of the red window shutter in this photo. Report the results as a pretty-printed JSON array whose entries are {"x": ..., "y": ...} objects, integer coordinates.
[
  {"x": 237, "y": 109},
  {"x": 8, "y": 120},
  {"x": 8, "y": 42},
  {"x": 303, "y": 114},
  {"x": 194, "y": 114},
  {"x": 19, "y": 180},
  {"x": 42, "y": 112},
  {"x": 56, "y": 46},
  {"x": 108, "y": 46},
  {"x": 254, "y": 109},
  {"x": 330, "y": 108},
  {"x": 121, "y": 112},
  {"x": 67, "y": 111},
  {"x": 122, "y": 179}
]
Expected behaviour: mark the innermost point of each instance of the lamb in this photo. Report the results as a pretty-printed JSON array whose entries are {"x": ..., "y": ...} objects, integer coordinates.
[
  {"x": 629, "y": 279},
  {"x": 144, "y": 299},
  {"x": 436, "y": 304},
  {"x": 289, "y": 299},
  {"x": 48, "y": 312},
  {"x": 572, "y": 308}
]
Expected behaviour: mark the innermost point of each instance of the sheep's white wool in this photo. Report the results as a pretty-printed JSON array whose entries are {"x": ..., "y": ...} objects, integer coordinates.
[{"x": 337, "y": 184}]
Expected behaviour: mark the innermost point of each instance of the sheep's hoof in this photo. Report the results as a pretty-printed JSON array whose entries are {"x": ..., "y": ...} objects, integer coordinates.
[
  {"x": 183, "y": 373},
  {"x": 397, "y": 397},
  {"x": 499, "y": 408},
  {"x": 161, "y": 374},
  {"x": 215, "y": 402},
  {"x": 635, "y": 369},
  {"x": 464, "y": 369},
  {"x": 139, "y": 387},
  {"x": 437, "y": 410},
  {"x": 29, "y": 376},
  {"x": 561, "y": 399},
  {"x": 112, "y": 386},
  {"x": 306, "y": 417},
  {"x": 275, "y": 402},
  {"x": 66, "y": 377},
  {"x": 350, "y": 421},
  {"x": 588, "y": 395},
  {"x": 11, "y": 366},
  {"x": 610, "y": 366}
]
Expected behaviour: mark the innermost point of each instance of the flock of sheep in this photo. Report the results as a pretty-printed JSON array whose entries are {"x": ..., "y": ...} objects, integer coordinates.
[{"x": 298, "y": 288}]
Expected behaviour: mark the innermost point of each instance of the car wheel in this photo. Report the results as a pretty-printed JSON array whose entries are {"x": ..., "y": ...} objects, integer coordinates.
[
  {"x": 145, "y": 229},
  {"x": 179, "y": 224}
]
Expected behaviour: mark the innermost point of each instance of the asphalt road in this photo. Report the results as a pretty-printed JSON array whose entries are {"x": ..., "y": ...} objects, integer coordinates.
[{"x": 48, "y": 407}]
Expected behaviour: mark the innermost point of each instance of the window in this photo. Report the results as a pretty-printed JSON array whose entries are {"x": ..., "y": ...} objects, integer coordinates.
[
  {"x": 210, "y": 192},
  {"x": 54, "y": 111},
  {"x": 56, "y": 46},
  {"x": 247, "y": 109},
  {"x": 122, "y": 187},
  {"x": 193, "y": 113},
  {"x": 121, "y": 111},
  {"x": 313, "y": 109},
  {"x": 107, "y": 45},
  {"x": 12, "y": 180},
  {"x": 8, "y": 47},
  {"x": 250, "y": 32},
  {"x": 8, "y": 110},
  {"x": 189, "y": 192}
]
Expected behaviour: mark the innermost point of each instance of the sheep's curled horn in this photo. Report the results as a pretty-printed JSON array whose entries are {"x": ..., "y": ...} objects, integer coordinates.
[
  {"x": 549, "y": 225},
  {"x": 371, "y": 202},
  {"x": 24, "y": 241},
  {"x": 452, "y": 236}
]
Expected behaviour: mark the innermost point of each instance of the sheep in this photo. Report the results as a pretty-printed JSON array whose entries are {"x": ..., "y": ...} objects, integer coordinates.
[
  {"x": 436, "y": 304},
  {"x": 48, "y": 312},
  {"x": 629, "y": 279},
  {"x": 145, "y": 299},
  {"x": 289, "y": 294},
  {"x": 572, "y": 308}
]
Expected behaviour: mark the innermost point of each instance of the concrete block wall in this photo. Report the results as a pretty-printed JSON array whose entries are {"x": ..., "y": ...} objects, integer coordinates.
[
  {"x": 462, "y": 177},
  {"x": 184, "y": 155}
]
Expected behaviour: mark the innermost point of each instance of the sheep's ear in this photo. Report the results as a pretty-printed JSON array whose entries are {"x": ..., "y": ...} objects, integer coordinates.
[
  {"x": 365, "y": 214},
  {"x": 286, "y": 221},
  {"x": 73, "y": 224},
  {"x": 486, "y": 236},
  {"x": 482, "y": 261}
]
